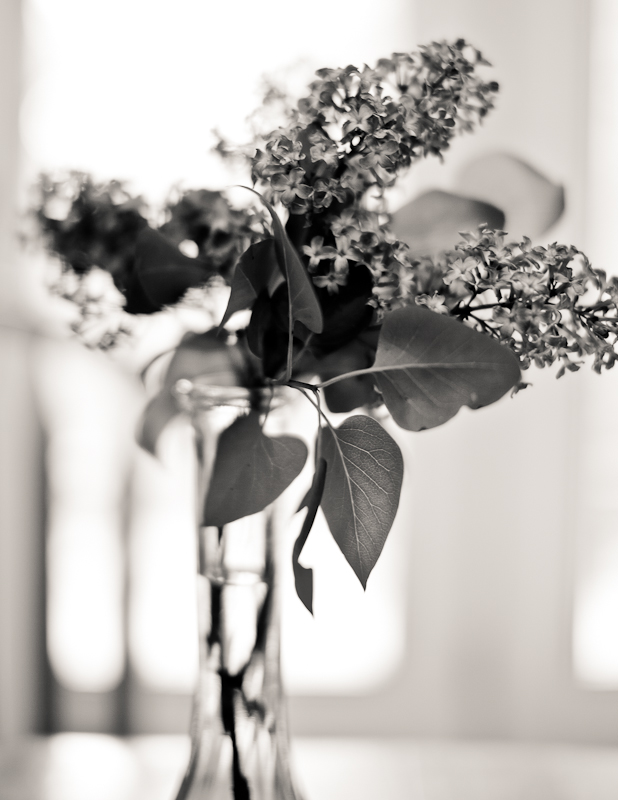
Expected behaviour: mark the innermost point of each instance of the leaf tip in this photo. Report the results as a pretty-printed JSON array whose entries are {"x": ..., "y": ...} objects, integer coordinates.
[{"x": 303, "y": 583}]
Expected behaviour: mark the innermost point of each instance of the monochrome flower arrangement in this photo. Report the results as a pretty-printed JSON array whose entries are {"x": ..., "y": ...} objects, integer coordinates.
[{"x": 341, "y": 309}]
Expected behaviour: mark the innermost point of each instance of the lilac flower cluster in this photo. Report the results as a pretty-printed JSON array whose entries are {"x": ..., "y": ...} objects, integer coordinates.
[
  {"x": 358, "y": 128},
  {"x": 348, "y": 140},
  {"x": 329, "y": 164},
  {"x": 546, "y": 303},
  {"x": 360, "y": 238}
]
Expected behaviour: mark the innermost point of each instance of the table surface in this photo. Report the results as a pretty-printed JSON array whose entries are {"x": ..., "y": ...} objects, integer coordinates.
[{"x": 97, "y": 767}]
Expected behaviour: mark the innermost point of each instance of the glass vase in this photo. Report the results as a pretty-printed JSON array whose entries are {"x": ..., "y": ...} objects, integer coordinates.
[{"x": 239, "y": 735}]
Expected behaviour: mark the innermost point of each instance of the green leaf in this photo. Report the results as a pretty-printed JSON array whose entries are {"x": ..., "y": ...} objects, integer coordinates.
[
  {"x": 250, "y": 470},
  {"x": 257, "y": 269},
  {"x": 361, "y": 491},
  {"x": 303, "y": 577},
  {"x": 304, "y": 303},
  {"x": 431, "y": 223},
  {"x": 428, "y": 366}
]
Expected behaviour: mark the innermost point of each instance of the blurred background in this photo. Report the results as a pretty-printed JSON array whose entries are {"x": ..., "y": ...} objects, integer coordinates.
[{"x": 493, "y": 611}]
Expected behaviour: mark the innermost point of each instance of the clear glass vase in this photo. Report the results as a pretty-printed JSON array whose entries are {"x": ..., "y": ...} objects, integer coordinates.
[{"x": 239, "y": 735}]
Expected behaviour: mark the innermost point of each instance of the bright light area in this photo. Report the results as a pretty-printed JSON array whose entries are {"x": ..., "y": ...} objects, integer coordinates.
[
  {"x": 93, "y": 766},
  {"x": 595, "y": 623},
  {"x": 91, "y": 415},
  {"x": 132, "y": 89},
  {"x": 356, "y": 640},
  {"x": 86, "y": 646},
  {"x": 602, "y": 195},
  {"x": 595, "y": 630},
  {"x": 162, "y": 607}
]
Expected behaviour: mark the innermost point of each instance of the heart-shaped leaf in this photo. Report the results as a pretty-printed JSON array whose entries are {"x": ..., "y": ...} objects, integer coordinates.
[
  {"x": 303, "y": 577},
  {"x": 250, "y": 470},
  {"x": 257, "y": 269},
  {"x": 162, "y": 274},
  {"x": 303, "y": 301},
  {"x": 428, "y": 365},
  {"x": 431, "y": 223},
  {"x": 361, "y": 491}
]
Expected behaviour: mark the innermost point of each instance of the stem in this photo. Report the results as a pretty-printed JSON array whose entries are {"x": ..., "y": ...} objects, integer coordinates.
[
  {"x": 448, "y": 72},
  {"x": 483, "y": 324},
  {"x": 297, "y": 358},
  {"x": 229, "y": 684},
  {"x": 465, "y": 310},
  {"x": 585, "y": 313},
  {"x": 289, "y": 361},
  {"x": 318, "y": 444},
  {"x": 303, "y": 388},
  {"x": 297, "y": 228},
  {"x": 300, "y": 385},
  {"x": 316, "y": 404}
]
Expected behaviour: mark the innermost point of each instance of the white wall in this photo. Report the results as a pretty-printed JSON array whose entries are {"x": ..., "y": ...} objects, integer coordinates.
[
  {"x": 493, "y": 495},
  {"x": 20, "y": 436}
]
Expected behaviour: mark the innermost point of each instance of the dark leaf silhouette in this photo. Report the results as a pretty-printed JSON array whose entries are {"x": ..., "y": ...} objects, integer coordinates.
[
  {"x": 161, "y": 275},
  {"x": 303, "y": 300},
  {"x": 361, "y": 491},
  {"x": 346, "y": 313},
  {"x": 250, "y": 470},
  {"x": 303, "y": 577},
  {"x": 353, "y": 392},
  {"x": 257, "y": 269},
  {"x": 261, "y": 320}
]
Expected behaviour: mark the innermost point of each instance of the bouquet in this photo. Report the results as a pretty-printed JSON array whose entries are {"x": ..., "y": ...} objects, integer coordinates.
[{"x": 332, "y": 303}]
